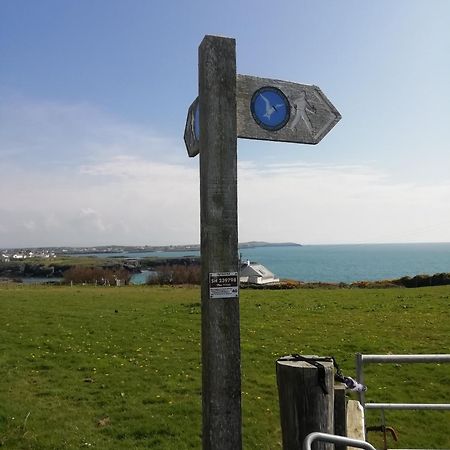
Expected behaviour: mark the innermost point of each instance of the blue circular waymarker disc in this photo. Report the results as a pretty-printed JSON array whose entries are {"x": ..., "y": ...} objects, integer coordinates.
[{"x": 270, "y": 108}]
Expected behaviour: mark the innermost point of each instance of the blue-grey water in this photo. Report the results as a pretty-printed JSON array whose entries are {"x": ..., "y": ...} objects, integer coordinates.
[
  {"x": 41, "y": 280},
  {"x": 347, "y": 263},
  {"x": 142, "y": 277}
]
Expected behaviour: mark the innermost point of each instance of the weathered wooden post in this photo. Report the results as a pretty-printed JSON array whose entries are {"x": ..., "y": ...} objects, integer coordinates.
[
  {"x": 219, "y": 245},
  {"x": 340, "y": 413},
  {"x": 230, "y": 106},
  {"x": 306, "y": 401}
]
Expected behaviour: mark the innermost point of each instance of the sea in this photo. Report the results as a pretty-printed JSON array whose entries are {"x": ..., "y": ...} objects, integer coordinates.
[{"x": 339, "y": 263}]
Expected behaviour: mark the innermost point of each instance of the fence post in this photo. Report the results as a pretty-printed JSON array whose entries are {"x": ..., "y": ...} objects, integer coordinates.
[
  {"x": 360, "y": 377},
  {"x": 355, "y": 420},
  {"x": 340, "y": 414},
  {"x": 304, "y": 406}
]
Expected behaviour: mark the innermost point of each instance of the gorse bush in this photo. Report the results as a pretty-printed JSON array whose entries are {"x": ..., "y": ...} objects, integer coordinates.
[
  {"x": 438, "y": 279},
  {"x": 176, "y": 274}
]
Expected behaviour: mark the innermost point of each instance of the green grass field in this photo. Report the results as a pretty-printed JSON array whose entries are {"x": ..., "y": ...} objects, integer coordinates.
[{"x": 74, "y": 373}]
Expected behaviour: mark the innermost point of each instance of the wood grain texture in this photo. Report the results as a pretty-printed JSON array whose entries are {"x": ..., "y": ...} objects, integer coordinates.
[
  {"x": 304, "y": 408},
  {"x": 190, "y": 140},
  {"x": 312, "y": 115},
  {"x": 340, "y": 413},
  {"x": 221, "y": 381}
]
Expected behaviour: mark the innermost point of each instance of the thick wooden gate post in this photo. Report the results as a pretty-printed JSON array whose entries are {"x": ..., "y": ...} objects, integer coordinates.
[
  {"x": 221, "y": 376},
  {"x": 304, "y": 407}
]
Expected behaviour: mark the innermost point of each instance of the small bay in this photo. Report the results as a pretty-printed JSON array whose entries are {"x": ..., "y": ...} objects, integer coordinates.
[
  {"x": 339, "y": 263},
  {"x": 348, "y": 263}
]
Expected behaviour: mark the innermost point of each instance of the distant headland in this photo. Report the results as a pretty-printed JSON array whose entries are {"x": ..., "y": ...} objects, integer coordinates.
[
  {"x": 26, "y": 252},
  {"x": 253, "y": 244}
]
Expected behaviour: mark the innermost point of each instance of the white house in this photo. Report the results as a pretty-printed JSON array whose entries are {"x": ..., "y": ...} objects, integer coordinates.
[{"x": 255, "y": 273}]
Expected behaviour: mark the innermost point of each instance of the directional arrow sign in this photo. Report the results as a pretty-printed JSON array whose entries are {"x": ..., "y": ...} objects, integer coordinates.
[
  {"x": 273, "y": 110},
  {"x": 192, "y": 130},
  {"x": 277, "y": 110}
]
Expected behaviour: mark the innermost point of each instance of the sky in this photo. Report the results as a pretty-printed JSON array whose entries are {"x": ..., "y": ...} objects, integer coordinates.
[{"x": 93, "y": 103}]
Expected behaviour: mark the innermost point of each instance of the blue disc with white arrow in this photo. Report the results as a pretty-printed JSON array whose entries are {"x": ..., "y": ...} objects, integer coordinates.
[{"x": 270, "y": 108}]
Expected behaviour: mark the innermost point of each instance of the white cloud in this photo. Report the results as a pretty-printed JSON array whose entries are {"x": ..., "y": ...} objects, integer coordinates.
[
  {"x": 71, "y": 175},
  {"x": 50, "y": 133},
  {"x": 30, "y": 225},
  {"x": 155, "y": 204},
  {"x": 341, "y": 204}
]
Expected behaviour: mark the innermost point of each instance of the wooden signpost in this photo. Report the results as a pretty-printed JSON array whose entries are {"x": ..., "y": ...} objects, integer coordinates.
[
  {"x": 192, "y": 130},
  {"x": 231, "y": 106},
  {"x": 304, "y": 112}
]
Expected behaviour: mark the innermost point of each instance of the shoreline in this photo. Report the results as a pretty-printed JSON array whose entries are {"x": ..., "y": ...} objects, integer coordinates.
[{"x": 417, "y": 281}]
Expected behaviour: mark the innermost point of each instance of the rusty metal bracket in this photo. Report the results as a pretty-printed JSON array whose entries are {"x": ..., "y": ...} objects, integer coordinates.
[{"x": 383, "y": 429}]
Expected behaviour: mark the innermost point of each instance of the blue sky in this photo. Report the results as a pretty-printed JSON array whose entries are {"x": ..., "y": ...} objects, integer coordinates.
[{"x": 93, "y": 101}]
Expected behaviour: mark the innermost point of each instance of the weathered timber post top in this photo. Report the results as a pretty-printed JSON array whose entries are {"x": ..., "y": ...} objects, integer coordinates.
[
  {"x": 272, "y": 110},
  {"x": 229, "y": 106}
]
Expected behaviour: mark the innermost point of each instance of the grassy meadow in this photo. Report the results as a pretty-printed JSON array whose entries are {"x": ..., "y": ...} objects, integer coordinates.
[{"x": 120, "y": 368}]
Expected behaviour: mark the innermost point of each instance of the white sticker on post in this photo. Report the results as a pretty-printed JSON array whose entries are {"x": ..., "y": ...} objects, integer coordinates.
[{"x": 223, "y": 285}]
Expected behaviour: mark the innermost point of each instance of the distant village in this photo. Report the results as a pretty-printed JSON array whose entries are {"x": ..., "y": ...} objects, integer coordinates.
[
  {"x": 18, "y": 255},
  {"x": 14, "y": 254}
]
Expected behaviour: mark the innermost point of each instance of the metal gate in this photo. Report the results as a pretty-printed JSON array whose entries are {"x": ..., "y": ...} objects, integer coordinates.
[{"x": 361, "y": 360}]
